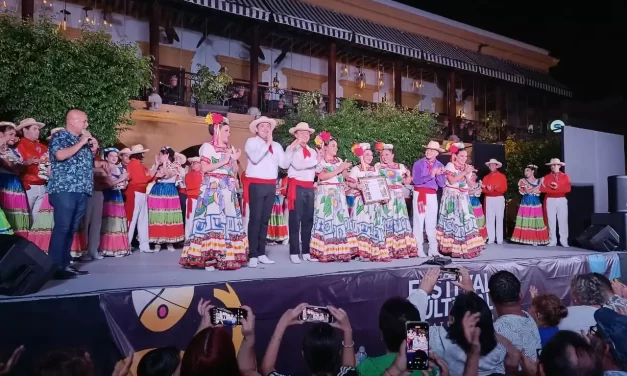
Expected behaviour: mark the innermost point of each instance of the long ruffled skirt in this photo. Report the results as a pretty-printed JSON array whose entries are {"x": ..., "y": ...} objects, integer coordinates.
[
  {"x": 113, "y": 233},
  {"x": 165, "y": 218},
  {"x": 530, "y": 227},
  {"x": 218, "y": 238},
  {"x": 14, "y": 203},
  {"x": 457, "y": 232},
  {"x": 477, "y": 210},
  {"x": 367, "y": 223},
  {"x": 277, "y": 228},
  {"x": 399, "y": 236}
]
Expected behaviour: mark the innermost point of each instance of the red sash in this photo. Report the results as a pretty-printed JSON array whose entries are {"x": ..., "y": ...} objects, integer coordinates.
[
  {"x": 247, "y": 182},
  {"x": 291, "y": 190},
  {"x": 422, "y": 197}
]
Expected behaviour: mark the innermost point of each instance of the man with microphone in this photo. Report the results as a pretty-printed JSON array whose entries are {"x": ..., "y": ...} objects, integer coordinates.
[{"x": 71, "y": 183}]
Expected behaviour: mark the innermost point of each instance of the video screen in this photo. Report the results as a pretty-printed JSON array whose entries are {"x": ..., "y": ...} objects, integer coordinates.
[
  {"x": 417, "y": 346},
  {"x": 225, "y": 317},
  {"x": 316, "y": 314}
]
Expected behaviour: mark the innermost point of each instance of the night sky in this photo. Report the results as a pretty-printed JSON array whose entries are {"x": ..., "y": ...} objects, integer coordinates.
[{"x": 588, "y": 40}]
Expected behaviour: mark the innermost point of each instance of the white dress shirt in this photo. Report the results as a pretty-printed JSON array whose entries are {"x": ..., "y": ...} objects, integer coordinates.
[
  {"x": 299, "y": 167},
  {"x": 261, "y": 163}
]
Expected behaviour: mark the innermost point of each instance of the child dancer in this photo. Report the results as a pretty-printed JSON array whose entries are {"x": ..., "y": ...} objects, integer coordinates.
[
  {"x": 474, "y": 192},
  {"x": 277, "y": 226}
]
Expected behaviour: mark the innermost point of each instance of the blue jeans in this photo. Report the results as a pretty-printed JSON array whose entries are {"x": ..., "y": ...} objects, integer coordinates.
[{"x": 69, "y": 210}]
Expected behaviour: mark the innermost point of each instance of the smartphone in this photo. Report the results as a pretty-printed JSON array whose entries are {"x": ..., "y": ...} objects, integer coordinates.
[
  {"x": 227, "y": 316},
  {"x": 449, "y": 274},
  {"x": 417, "y": 345},
  {"x": 316, "y": 314}
]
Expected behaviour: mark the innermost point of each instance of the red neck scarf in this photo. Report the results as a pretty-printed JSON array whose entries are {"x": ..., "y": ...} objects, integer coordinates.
[{"x": 306, "y": 152}]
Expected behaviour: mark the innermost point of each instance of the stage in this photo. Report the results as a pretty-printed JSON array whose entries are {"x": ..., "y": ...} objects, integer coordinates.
[{"x": 143, "y": 301}]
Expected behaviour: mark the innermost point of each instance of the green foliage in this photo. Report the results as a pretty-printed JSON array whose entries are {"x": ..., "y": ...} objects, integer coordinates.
[
  {"x": 407, "y": 130},
  {"x": 210, "y": 87},
  {"x": 44, "y": 75},
  {"x": 492, "y": 129}
]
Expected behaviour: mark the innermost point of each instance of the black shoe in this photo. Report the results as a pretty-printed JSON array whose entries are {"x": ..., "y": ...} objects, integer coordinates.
[
  {"x": 76, "y": 271},
  {"x": 62, "y": 274}
]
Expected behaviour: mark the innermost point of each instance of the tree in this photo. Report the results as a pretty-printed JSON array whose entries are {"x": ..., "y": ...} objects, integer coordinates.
[{"x": 44, "y": 75}]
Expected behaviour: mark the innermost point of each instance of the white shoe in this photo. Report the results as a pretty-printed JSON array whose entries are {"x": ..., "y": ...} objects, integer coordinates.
[
  {"x": 552, "y": 245},
  {"x": 286, "y": 242},
  {"x": 210, "y": 268},
  {"x": 157, "y": 247},
  {"x": 421, "y": 253},
  {"x": 565, "y": 245},
  {"x": 265, "y": 260},
  {"x": 295, "y": 259},
  {"x": 252, "y": 263},
  {"x": 307, "y": 257},
  {"x": 171, "y": 248},
  {"x": 146, "y": 250},
  {"x": 120, "y": 256}
]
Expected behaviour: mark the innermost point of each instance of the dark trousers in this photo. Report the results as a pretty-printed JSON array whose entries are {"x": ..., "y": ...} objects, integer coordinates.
[
  {"x": 69, "y": 210},
  {"x": 261, "y": 198},
  {"x": 301, "y": 220},
  {"x": 183, "y": 200}
]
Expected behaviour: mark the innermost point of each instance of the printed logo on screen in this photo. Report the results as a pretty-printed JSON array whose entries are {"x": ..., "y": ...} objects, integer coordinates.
[
  {"x": 557, "y": 126},
  {"x": 159, "y": 309}
]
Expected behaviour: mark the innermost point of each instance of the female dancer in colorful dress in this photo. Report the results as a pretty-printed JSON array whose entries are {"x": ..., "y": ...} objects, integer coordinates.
[
  {"x": 530, "y": 227},
  {"x": 331, "y": 237},
  {"x": 399, "y": 236},
  {"x": 457, "y": 232},
  {"x": 474, "y": 192},
  {"x": 218, "y": 238},
  {"x": 165, "y": 218},
  {"x": 367, "y": 218},
  {"x": 277, "y": 225},
  {"x": 13, "y": 198},
  {"x": 113, "y": 233}
]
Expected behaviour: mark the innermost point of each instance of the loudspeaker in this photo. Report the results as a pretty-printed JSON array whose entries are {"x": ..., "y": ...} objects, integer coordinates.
[
  {"x": 24, "y": 268},
  {"x": 599, "y": 238},
  {"x": 581, "y": 209},
  {"x": 617, "y": 194},
  {"x": 617, "y": 221}
]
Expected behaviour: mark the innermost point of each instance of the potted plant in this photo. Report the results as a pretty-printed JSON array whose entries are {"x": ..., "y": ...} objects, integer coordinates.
[{"x": 211, "y": 91}]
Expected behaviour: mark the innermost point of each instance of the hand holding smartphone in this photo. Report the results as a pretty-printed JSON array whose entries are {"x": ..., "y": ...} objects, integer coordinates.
[
  {"x": 316, "y": 314},
  {"x": 417, "y": 345},
  {"x": 449, "y": 274},
  {"x": 227, "y": 316}
]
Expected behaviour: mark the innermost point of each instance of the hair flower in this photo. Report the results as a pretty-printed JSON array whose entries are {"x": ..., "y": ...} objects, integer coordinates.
[
  {"x": 379, "y": 146},
  {"x": 357, "y": 150}
]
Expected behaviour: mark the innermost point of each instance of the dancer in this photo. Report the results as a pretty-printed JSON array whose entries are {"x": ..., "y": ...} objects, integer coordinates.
[
  {"x": 300, "y": 161},
  {"x": 218, "y": 239},
  {"x": 399, "y": 237},
  {"x": 367, "y": 218},
  {"x": 179, "y": 161},
  {"x": 92, "y": 222},
  {"x": 165, "y": 219},
  {"x": 556, "y": 185},
  {"x": 264, "y": 157},
  {"x": 13, "y": 198},
  {"x": 530, "y": 227},
  {"x": 125, "y": 157},
  {"x": 135, "y": 194},
  {"x": 32, "y": 151},
  {"x": 277, "y": 226},
  {"x": 457, "y": 232},
  {"x": 193, "y": 181},
  {"x": 474, "y": 192},
  {"x": 331, "y": 238},
  {"x": 494, "y": 186},
  {"x": 428, "y": 176},
  {"x": 113, "y": 236}
]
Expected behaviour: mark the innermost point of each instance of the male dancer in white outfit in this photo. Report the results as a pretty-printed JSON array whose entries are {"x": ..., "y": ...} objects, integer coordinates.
[{"x": 556, "y": 185}]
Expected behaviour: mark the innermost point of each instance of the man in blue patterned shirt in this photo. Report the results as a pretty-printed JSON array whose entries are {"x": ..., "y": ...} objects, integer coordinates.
[{"x": 71, "y": 183}]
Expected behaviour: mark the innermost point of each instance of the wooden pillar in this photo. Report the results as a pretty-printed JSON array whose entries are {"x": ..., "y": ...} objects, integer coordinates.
[
  {"x": 28, "y": 9},
  {"x": 398, "y": 83},
  {"x": 452, "y": 103},
  {"x": 253, "y": 96},
  {"x": 332, "y": 77},
  {"x": 153, "y": 27}
]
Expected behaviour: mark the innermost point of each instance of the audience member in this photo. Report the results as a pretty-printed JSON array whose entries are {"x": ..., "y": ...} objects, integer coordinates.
[
  {"x": 613, "y": 299},
  {"x": 608, "y": 338},
  {"x": 568, "y": 354},
  {"x": 588, "y": 294},
  {"x": 513, "y": 323},
  {"x": 547, "y": 310},
  {"x": 163, "y": 361},
  {"x": 66, "y": 363}
]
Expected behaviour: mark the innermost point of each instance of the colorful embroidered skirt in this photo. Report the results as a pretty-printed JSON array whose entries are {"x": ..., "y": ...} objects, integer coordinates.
[
  {"x": 331, "y": 236},
  {"x": 5, "y": 226},
  {"x": 14, "y": 203},
  {"x": 457, "y": 232},
  {"x": 165, "y": 218},
  {"x": 530, "y": 227},
  {"x": 399, "y": 236},
  {"x": 367, "y": 225},
  {"x": 477, "y": 210},
  {"x": 113, "y": 233},
  {"x": 277, "y": 227},
  {"x": 218, "y": 237},
  {"x": 41, "y": 231}
]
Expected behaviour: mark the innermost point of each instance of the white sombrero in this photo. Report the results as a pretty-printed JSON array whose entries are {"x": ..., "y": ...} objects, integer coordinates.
[
  {"x": 434, "y": 145},
  {"x": 263, "y": 119},
  {"x": 302, "y": 126},
  {"x": 556, "y": 161},
  {"x": 497, "y": 163}
]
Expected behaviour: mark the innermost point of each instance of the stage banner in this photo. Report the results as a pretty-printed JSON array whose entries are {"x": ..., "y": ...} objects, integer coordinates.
[{"x": 144, "y": 319}]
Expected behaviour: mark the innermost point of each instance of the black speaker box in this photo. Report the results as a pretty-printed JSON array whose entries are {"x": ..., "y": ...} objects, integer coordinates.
[
  {"x": 599, "y": 238},
  {"x": 24, "y": 268},
  {"x": 617, "y": 194},
  {"x": 617, "y": 221}
]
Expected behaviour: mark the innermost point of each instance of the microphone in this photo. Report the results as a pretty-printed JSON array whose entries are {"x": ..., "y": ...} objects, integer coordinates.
[{"x": 90, "y": 143}]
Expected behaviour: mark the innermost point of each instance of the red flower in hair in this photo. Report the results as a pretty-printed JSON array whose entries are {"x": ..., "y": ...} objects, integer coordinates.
[
  {"x": 217, "y": 118},
  {"x": 453, "y": 149},
  {"x": 325, "y": 136},
  {"x": 357, "y": 150},
  {"x": 379, "y": 146}
]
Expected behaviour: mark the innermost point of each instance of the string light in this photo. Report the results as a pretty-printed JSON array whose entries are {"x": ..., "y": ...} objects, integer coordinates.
[
  {"x": 275, "y": 81},
  {"x": 86, "y": 20}
]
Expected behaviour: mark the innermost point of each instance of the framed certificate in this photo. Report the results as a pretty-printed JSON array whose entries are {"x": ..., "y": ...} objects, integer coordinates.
[{"x": 375, "y": 189}]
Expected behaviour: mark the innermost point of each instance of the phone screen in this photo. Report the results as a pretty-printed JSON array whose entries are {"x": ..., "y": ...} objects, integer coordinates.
[
  {"x": 449, "y": 274},
  {"x": 417, "y": 345},
  {"x": 227, "y": 316},
  {"x": 316, "y": 314}
]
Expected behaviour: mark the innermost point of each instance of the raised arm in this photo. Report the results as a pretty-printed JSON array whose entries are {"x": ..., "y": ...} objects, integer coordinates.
[
  {"x": 62, "y": 153},
  {"x": 419, "y": 173},
  {"x": 256, "y": 150}
]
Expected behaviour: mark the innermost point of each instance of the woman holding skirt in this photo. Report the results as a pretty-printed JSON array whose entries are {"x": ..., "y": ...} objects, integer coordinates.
[
  {"x": 367, "y": 218},
  {"x": 474, "y": 192},
  {"x": 165, "y": 218},
  {"x": 113, "y": 233},
  {"x": 399, "y": 236},
  {"x": 218, "y": 239},
  {"x": 530, "y": 227},
  {"x": 331, "y": 237},
  {"x": 457, "y": 232},
  {"x": 13, "y": 198}
]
